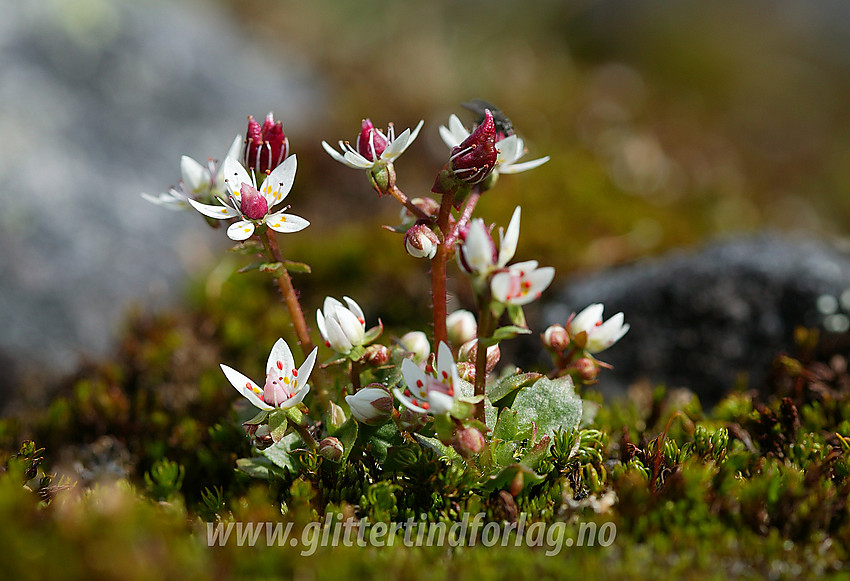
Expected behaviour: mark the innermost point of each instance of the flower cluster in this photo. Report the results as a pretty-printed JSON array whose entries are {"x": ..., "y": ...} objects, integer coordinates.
[
  {"x": 440, "y": 395},
  {"x": 198, "y": 182}
]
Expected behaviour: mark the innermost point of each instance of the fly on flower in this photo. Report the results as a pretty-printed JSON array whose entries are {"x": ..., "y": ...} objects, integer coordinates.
[
  {"x": 510, "y": 146},
  {"x": 251, "y": 203},
  {"x": 284, "y": 387},
  {"x": 198, "y": 182}
]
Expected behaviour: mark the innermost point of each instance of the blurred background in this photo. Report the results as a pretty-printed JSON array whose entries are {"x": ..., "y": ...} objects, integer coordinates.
[{"x": 668, "y": 125}]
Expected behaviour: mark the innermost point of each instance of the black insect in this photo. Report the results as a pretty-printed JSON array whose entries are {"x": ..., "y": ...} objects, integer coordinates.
[{"x": 503, "y": 124}]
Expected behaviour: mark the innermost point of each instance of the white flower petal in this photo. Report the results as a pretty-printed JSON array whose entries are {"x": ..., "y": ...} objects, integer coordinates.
[
  {"x": 280, "y": 359},
  {"x": 278, "y": 183},
  {"x": 510, "y": 149},
  {"x": 241, "y": 230},
  {"x": 245, "y": 386},
  {"x": 306, "y": 369},
  {"x": 195, "y": 176},
  {"x": 286, "y": 223},
  {"x": 445, "y": 362},
  {"x": 508, "y": 242},
  {"x": 478, "y": 247},
  {"x": 355, "y": 308},
  {"x": 520, "y": 167},
  {"x": 440, "y": 403},
  {"x": 455, "y": 133},
  {"x": 355, "y": 160},
  {"x": 408, "y": 403},
  {"x": 336, "y": 336},
  {"x": 235, "y": 148},
  {"x": 296, "y": 398},
  {"x": 167, "y": 200},
  {"x": 234, "y": 176},
  {"x": 396, "y": 147},
  {"x": 587, "y": 319},
  {"x": 217, "y": 212},
  {"x": 414, "y": 378},
  {"x": 334, "y": 153}
]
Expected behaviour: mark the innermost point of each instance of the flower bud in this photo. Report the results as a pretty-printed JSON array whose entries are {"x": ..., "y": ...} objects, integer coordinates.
[
  {"x": 260, "y": 435},
  {"x": 556, "y": 338},
  {"x": 461, "y": 327},
  {"x": 416, "y": 342},
  {"x": 371, "y": 405},
  {"x": 342, "y": 327},
  {"x": 586, "y": 370},
  {"x": 421, "y": 242},
  {"x": 252, "y": 203},
  {"x": 466, "y": 371},
  {"x": 331, "y": 449},
  {"x": 474, "y": 159},
  {"x": 265, "y": 147},
  {"x": 411, "y": 421},
  {"x": 469, "y": 352},
  {"x": 371, "y": 143},
  {"x": 468, "y": 441},
  {"x": 376, "y": 355},
  {"x": 336, "y": 416}
]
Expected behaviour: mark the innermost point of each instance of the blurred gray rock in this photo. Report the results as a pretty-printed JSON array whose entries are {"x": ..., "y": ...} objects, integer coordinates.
[
  {"x": 700, "y": 318},
  {"x": 100, "y": 98}
]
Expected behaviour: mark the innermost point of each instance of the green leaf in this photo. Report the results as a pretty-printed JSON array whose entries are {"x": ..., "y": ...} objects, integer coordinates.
[
  {"x": 551, "y": 404},
  {"x": 247, "y": 247},
  {"x": 255, "y": 467},
  {"x": 537, "y": 453},
  {"x": 462, "y": 409},
  {"x": 506, "y": 386},
  {"x": 506, "y": 478},
  {"x": 258, "y": 419},
  {"x": 443, "y": 426},
  {"x": 279, "y": 452},
  {"x": 437, "y": 447},
  {"x": 277, "y": 425},
  {"x": 273, "y": 268},
  {"x": 505, "y": 333},
  {"x": 250, "y": 267},
  {"x": 298, "y": 267},
  {"x": 507, "y": 426},
  {"x": 517, "y": 316},
  {"x": 373, "y": 333}
]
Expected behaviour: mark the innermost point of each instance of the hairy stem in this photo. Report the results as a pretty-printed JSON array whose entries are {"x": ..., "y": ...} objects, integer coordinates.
[
  {"x": 290, "y": 297},
  {"x": 485, "y": 322},
  {"x": 438, "y": 271}
]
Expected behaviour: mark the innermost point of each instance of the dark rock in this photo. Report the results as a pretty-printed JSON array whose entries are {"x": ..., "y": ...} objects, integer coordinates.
[{"x": 700, "y": 319}]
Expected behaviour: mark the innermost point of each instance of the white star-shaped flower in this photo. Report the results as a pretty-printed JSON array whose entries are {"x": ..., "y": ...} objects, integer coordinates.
[
  {"x": 252, "y": 205},
  {"x": 598, "y": 336},
  {"x": 521, "y": 283},
  {"x": 198, "y": 182},
  {"x": 510, "y": 149},
  {"x": 373, "y": 148},
  {"x": 284, "y": 387}
]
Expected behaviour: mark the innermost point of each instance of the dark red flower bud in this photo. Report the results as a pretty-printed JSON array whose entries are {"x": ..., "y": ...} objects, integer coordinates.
[
  {"x": 266, "y": 146},
  {"x": 252, "y": 203},
  {"x": 371, "y": 143},
  {"x": 474, "y": 159}
]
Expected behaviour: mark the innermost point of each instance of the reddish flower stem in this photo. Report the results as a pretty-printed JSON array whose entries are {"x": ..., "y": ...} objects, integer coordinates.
[{"x": 438, "y": 271}]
